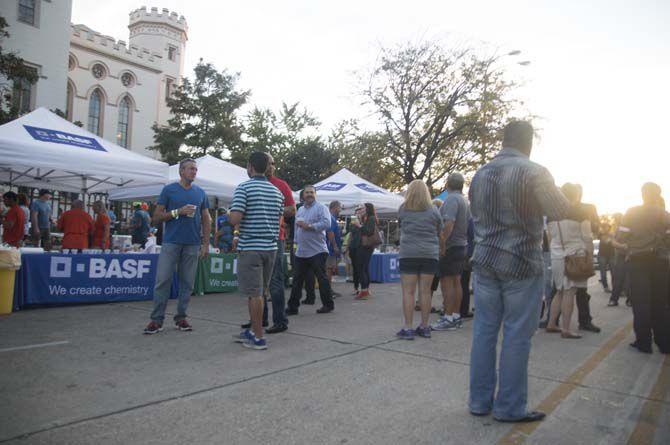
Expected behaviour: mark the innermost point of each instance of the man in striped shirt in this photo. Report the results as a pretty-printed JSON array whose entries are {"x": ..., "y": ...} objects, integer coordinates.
[
  {"x": 508, "y": 198},
  {"x": 257, "y": 206}
]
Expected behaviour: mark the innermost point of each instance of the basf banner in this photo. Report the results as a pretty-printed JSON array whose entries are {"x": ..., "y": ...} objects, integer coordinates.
[{"x": 82, "y": 278}]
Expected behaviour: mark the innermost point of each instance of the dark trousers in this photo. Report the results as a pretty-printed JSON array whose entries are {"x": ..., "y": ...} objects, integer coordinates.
[
  {"x": 651, "y": 315},
  {"x": 353, "y": 252},
  {"x": 620, "y": 278},
  {"x": 317, "y": 266},
  {"x": 277, "y": 290},
  {"x": 583, "y": 309},
  {"x": 465, "y": 286},
  {"x": 310, "y": 285},
  {"x": 363, "y": 256}
]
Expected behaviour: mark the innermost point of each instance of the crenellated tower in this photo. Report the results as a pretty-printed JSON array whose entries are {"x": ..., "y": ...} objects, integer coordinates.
[{"x": 164, "y": 33}]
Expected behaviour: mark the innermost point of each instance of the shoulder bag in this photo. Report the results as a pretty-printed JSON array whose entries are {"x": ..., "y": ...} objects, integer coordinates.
[
  {"x": 577, "y": 267},
  {"x": 372, "y": 240}
]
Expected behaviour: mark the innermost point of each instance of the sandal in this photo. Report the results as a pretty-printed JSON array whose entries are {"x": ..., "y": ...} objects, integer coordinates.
[
  {"x": 570, "y": 335},
  {"x": 553, "y": 330}
]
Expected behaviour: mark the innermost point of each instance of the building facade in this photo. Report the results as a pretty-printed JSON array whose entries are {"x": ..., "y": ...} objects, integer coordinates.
[
  {"x": 117, "y": 90},
  {"x": 31, "y": 25}
]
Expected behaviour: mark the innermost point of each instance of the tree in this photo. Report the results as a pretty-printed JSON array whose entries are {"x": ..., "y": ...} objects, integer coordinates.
[
  {"x": 441, "y": 110},
  {"x": 204, "y": 116},
  {"x": 284, "y": 135},
  {"x": 365, "y": 153},
  {"x": 308, "y": 162},
  {"x": 13, "y": 71}
]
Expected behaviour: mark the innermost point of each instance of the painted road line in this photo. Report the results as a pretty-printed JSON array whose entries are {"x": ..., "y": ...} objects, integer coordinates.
[
  {"x": 647, "y": 422},
  {"x": 39, "y": 345},
  {"x": 521, "y": 431}
]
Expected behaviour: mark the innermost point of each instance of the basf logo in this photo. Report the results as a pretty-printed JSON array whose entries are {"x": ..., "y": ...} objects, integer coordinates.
[
  {"x": 331, "y": 186},
  {"x": 368, "y": 188},
  {"x": 61, "y": 267},
  {"x": 218, "y": 265},
  {"x": 61, "y": 137},
  {"x": 108, "y": 278}
]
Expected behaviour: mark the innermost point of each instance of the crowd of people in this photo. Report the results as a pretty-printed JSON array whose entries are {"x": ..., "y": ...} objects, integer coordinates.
[
  {"x": 527, "y": 244},
  {"x": 29, "y": 224}
]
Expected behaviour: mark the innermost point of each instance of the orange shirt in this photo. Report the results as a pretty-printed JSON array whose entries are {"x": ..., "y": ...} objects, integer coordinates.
[
  {"x": 101, "y": 221},
  {"x": 76, "y": 225},
  {"x": 14, "y": 235}
]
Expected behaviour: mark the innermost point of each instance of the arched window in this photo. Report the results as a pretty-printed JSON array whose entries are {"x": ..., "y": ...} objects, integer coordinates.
[
  {"x": 69, "y": 102},
  {"x": 123, "y": 128},
  {"x": 95, "y": 112}
]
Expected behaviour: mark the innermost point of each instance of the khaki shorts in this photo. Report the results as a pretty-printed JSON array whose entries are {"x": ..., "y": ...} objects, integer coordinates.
[
  {"x": 254, "y": 271},
  {"x": 331, "y": 262}
]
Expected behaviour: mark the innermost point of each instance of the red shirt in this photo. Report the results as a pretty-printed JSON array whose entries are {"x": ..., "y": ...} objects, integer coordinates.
[
  {"x": 76, "y": 225},
  {"x": 101, "y": 221},
  {"x": 288, "y": 200},
  {"x": 14, "y": 235}
]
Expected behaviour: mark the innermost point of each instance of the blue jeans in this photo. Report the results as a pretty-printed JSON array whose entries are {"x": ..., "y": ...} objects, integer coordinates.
[
  {"x": 514, "y": 304},
  {"x": 277, "y": 290},
  {"x": 185, "y": 258}
]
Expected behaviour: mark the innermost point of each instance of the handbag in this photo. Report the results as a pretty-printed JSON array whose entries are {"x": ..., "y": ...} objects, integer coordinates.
[
  {"x": 577, "y": 267},
  {"x": 373, "y": 240}
]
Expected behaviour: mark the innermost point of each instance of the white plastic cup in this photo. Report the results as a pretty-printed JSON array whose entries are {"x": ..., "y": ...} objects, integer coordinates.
[{"x": 195, "y": 209}]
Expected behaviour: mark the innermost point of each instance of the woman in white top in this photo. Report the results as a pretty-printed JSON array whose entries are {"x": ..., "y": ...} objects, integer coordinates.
[{"x": 568, "y": 237}]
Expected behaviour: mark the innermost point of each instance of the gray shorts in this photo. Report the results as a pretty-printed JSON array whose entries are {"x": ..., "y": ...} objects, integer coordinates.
[{"x": 254, "y": 271}]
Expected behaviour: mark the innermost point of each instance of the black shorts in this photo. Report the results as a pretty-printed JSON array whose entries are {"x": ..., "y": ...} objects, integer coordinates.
[
  {"x": 453, "y": 261},
  {"x": 418, "y": 266}
]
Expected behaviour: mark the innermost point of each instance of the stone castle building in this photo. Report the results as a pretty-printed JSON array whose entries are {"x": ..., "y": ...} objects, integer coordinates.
[{"x": 117, "y": 89}]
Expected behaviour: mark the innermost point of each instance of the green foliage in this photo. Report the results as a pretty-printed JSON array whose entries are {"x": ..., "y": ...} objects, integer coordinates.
[
  {"x": 12, "y": 69},
  {"x": 204, "y": 116},
  {"x": 289, "y": 136},
  {"x": 441, "y": 110},
  {"x": 365, "y": 153},
  {"x": 308, "y": 162}
]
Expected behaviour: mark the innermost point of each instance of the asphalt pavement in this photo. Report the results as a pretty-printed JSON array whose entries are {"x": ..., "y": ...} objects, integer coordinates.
[{"x": 86, "y": 375}]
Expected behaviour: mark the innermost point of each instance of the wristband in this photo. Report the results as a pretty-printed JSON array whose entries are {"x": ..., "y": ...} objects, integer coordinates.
[{"x": 236, "y": 232}]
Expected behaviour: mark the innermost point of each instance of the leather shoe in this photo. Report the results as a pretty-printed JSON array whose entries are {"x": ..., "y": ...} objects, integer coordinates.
[
  {"x": 480, "y": 414},
  {"x": 646, "y": 350},
  {"x": 467, "y": 315},
  {"x": 589, "y": 327},
  {"x": 248, "y": 325},
  {"x": 533, "y": 416},
  {"x": 276, "y": 329},
  {"x": 613, "y": 303},
  {"x": 305, "y": 301},
  {"x": 290, "y": 311},
  {"x": 324, "y": 310}
]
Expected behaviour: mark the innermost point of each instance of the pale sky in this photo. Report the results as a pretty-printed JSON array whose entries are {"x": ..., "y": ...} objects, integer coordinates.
[{"x": 598, "y": 75}]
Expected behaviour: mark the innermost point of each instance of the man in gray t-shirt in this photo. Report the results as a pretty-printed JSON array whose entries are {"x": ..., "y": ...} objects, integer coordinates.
[{"x": 453, "y": 251}]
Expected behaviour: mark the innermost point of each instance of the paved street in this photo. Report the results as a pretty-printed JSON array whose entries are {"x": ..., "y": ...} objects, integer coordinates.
[{"x": 86, "y": 375}]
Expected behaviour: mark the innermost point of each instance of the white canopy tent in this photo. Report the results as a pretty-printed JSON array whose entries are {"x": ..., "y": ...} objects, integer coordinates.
[
  {"x": 42, "y": 149},
  {"x": 352, "y": 190},
  {"x": 216, "y": 177}
]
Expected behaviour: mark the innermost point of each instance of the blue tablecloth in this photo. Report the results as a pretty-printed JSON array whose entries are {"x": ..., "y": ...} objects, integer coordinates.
[
  {"x": 54, "y": 278},
  {"x": 384, "y": 268}
]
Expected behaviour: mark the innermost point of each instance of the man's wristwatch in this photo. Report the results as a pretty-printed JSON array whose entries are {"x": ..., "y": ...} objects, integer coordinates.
[{"x": 175, "y": 214}]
